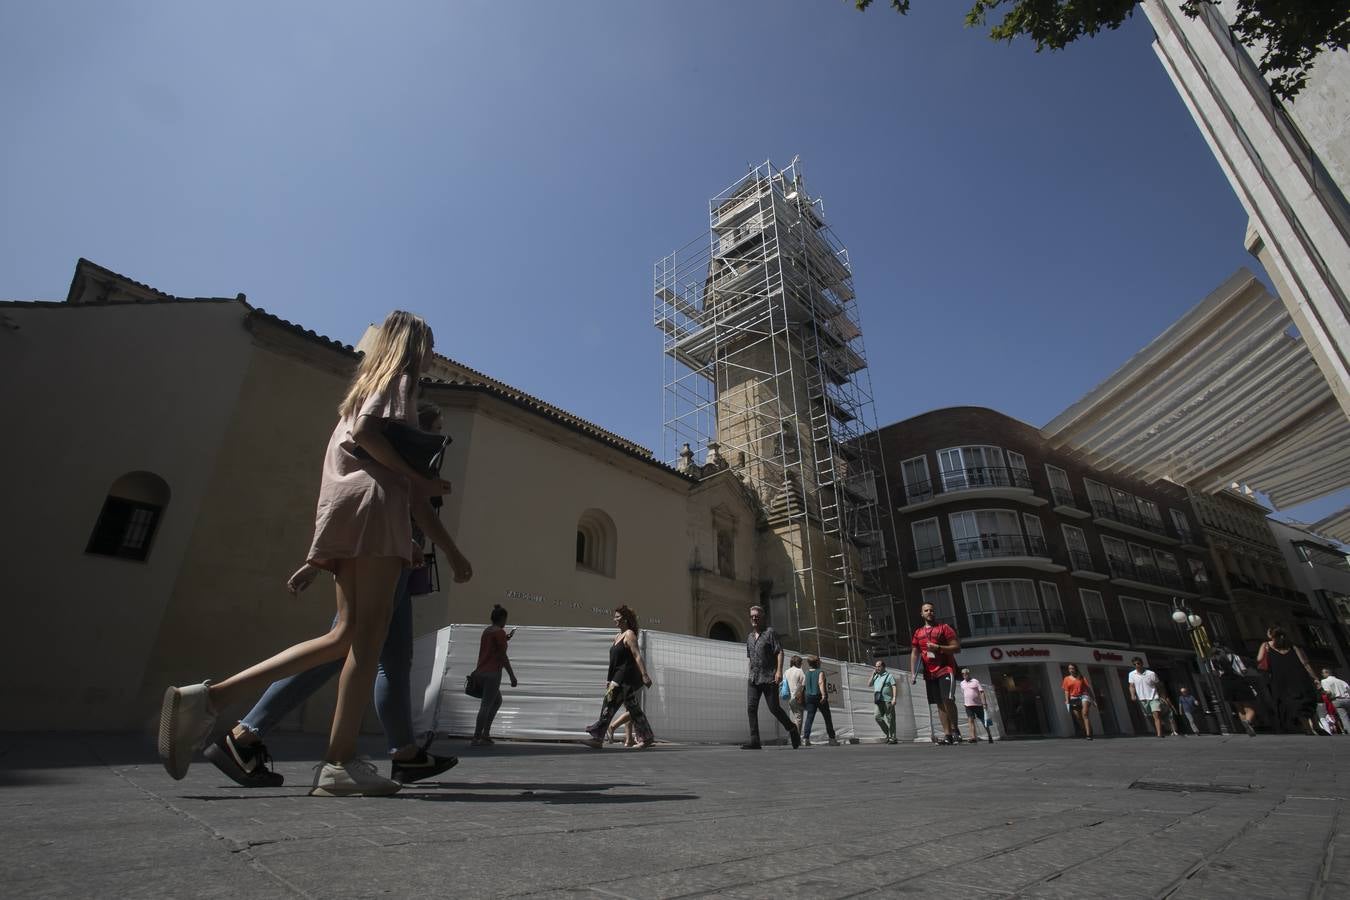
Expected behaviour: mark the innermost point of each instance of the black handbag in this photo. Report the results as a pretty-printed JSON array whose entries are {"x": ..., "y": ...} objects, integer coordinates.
[
  {"x": 473, "y": 685},
  {"x": 424, "y": 451}
]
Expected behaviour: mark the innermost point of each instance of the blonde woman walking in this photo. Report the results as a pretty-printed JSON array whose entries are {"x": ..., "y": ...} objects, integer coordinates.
[{"x": 363, "y": 535}]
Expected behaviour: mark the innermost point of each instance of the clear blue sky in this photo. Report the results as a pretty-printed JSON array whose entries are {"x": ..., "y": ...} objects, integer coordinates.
[{"x": 1019, "y": 224}]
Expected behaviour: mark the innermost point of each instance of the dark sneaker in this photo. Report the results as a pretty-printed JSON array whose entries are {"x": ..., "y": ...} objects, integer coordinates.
[
  {"x": 753, "y": 745},
  {"x": 423, "y": 765},
  {"x": 247, "y": 765},
  {"x": 796, "y": 737}
]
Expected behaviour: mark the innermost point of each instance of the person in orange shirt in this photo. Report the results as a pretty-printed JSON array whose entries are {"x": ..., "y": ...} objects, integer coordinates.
[{"x": 1078, "y": 697}]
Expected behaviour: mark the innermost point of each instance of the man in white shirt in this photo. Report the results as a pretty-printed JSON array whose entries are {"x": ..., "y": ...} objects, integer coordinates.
[
  {"x": 1339, "y": 692},
  {"x": 1147, "y": 690}
]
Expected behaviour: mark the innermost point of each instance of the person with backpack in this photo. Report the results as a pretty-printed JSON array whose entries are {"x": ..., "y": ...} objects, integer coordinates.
[{"x": 884, "y": 693}]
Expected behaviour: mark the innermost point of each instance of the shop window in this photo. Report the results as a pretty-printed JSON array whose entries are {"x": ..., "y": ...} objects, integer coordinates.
[{"x": 130, "y": 517}]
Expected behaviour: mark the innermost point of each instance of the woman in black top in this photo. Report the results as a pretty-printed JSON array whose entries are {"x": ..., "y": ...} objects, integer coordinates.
[
  {"x": 627, "y": 676},
  {"x": 1292, "y": 681}
]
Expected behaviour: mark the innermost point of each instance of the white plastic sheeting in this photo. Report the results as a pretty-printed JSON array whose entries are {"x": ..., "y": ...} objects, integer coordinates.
[{"x": 698, "y": 692}]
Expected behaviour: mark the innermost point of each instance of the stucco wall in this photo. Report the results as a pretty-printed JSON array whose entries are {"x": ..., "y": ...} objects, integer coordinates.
[{"x": 91, "y": 394}]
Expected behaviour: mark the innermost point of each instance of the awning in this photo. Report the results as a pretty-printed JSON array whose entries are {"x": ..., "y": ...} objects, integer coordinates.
[
  {"x": 1226, "y": 395},
  {"x": 1335, "y": 526}
]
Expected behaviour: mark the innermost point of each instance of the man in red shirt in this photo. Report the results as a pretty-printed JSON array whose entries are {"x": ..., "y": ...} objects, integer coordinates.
[{"x": 936, "y": 643}]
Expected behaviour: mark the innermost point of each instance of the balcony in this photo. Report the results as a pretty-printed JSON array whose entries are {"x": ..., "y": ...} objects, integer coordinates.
[
  {"x": 1267, "y": 590},
  {"x": 1111, "y": 516},
  {"x": 984, "y": 551},
  {"x": 1066, "y": 504},
  {"x": 1102, "y": 630},
  {"x": 1148, "y": 634},
  {"x": 1130, "y": 574},
  {"x": 974, "y": 482},
  {"x": 1082, "y": 566},
  {"x": 1017, "y": 620}
]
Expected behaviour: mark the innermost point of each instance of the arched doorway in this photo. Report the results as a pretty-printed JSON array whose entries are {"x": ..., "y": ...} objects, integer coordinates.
[{"x": 721, "y": 631}]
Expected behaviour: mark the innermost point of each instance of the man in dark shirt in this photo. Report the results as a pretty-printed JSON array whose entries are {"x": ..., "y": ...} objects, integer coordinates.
[{"x": 766, "y": 673}]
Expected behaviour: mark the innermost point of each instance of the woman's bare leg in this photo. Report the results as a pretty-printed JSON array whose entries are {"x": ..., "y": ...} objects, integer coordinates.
[
  {"x": 294, "y": 659},
  {"x": 365, "y": 589}
]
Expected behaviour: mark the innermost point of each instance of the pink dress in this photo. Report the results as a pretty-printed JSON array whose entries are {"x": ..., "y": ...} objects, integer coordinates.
[{"x": 363, "y": 506}]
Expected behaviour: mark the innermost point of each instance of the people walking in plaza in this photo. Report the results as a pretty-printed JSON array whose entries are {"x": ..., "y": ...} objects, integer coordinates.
[
  {"x": 765, "y": 674},
  {"x": 884, "y": 694},
  {"x": 972, "y": 697},
  {"x": 1236, "y": 689},
  {"x": 241, "y": 754},
  {"x": 1186, "y": 700},
  {"x": 1338, "y": 692},
  {"x": 934, "y": 644},
  {"x": 363, "y": 536},
  {"x": 625, "y": 680},
  {"x": 492, "y": 661},
  {"x": 816, "y": 691},
  {"x": 1078, "y": 698},
  {"x": 794, "y": 685},
  {"x": 1292, "y": 681},
  {"x": 1146, "y": 689}
]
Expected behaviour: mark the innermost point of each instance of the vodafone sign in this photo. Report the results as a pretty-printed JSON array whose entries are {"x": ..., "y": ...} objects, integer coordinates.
[{"x": 1057, "y": 653}]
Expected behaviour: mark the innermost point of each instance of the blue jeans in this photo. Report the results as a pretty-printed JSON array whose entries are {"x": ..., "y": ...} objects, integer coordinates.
[{"x": 393, "y": 681}]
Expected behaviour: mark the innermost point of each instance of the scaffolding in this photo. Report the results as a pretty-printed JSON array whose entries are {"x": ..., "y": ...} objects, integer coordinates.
[{"x": 764, "y": 364}]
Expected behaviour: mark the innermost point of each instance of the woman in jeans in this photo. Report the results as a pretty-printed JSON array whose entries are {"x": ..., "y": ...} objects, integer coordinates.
[
  {"x": 492, "y": 659},
  {"x": 817, "y": 700}
]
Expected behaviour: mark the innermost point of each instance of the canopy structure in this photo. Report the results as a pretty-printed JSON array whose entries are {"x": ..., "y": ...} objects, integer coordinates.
[
  {"x": 1226, "y": 395},
  {"x": 1335, "y": 526}
]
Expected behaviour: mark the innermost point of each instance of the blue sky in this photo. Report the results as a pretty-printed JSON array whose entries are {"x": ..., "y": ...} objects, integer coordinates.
[{"x": 1019, "y": 223}]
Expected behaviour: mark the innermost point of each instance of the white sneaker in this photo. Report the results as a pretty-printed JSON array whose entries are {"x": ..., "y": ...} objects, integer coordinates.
[
  {"x": 355, "y": 778},
  {"x": 185, "y": 722}
]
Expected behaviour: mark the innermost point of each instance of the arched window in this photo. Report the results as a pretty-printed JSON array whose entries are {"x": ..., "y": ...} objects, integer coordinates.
[
  {"x": 597, "y": 543},
  {"x": 126, "y": 525},
  {"x": 721, "y": 631}
]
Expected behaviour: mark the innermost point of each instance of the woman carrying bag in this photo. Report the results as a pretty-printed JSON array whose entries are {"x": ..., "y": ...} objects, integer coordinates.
[
  {"x": 486, "y": 679},
  {"x": 626, "y": 678}
]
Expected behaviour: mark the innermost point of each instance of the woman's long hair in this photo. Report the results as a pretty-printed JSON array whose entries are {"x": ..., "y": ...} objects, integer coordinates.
[
  {"x": 628, "y": 619},
  {"x": 403, "y": 342}
]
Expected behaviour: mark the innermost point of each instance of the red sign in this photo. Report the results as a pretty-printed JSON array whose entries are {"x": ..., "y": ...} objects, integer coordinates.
[
  {"x": 995, "y": 653},
  {"x": 1100, "y": 655}
]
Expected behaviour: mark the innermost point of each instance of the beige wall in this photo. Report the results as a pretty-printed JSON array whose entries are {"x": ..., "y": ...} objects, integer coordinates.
[
  {"x": 91, "y": 394},
  {"x": 523, "y": 485}
]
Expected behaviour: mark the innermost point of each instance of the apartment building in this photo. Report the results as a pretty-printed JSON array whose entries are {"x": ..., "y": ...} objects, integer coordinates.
[{"x": 1039, "y": 560}]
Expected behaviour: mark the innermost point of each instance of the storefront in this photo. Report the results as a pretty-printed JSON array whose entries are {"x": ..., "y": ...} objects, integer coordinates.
[{"x": 1022, "y": 683}]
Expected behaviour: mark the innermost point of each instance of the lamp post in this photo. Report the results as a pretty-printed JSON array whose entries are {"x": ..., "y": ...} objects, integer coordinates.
[{"x": 1195, "y": 629}]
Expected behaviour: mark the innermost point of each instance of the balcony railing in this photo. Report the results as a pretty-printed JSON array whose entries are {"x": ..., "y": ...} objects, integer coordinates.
[
  {"x": 1156, "y": 636},
  {"x": 986, "y": 546},
  {"x": 967, "y": 479},
  {"x": 1101, "y": 630},
  {"x": 1064, "y": 497},
  {"x": 1081, "y": 561},
  {"x": 992, "y": 546},
  {"x": 1016, "y": 620},
  {"x": 1241, "y": 582},
  {"x": 1145, "y": 574},
  {"x": 1104, "y": 510}
]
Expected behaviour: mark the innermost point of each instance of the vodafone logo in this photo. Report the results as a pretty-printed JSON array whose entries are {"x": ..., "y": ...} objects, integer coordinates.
[
  {"x": 999, "y": 652},
  {"x": 995, "y": 653},
  {"x": 1100, "y": 655}
]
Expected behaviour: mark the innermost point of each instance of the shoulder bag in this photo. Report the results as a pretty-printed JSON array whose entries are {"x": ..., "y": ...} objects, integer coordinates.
[
  {"x": 473, "y": 685},
  {"x": 424, "y": 451}
]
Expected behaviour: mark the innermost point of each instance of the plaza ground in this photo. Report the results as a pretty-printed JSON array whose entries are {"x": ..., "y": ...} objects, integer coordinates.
[{"x": 96, "y": 816}]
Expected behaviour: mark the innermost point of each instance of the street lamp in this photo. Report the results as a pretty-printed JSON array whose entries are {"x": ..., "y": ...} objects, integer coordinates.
[{"x": 1195, "y": 628}]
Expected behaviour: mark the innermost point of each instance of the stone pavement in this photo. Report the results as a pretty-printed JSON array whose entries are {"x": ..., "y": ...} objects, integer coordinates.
[{"x": 95, "y": 816}]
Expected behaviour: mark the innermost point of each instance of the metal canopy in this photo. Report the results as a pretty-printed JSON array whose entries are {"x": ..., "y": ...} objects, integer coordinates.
[
  {"x": 1225, "y": 395},
  {"x": 1335, "y": 526}
]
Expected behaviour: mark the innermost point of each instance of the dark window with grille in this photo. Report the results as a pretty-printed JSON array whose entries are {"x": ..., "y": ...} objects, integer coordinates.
[{"x": 125, "y": 529}]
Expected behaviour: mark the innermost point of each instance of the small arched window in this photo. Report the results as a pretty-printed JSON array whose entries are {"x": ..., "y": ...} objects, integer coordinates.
[
  {"x": 130, "y": 516},
  {"x": 597, "y": 543}
]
